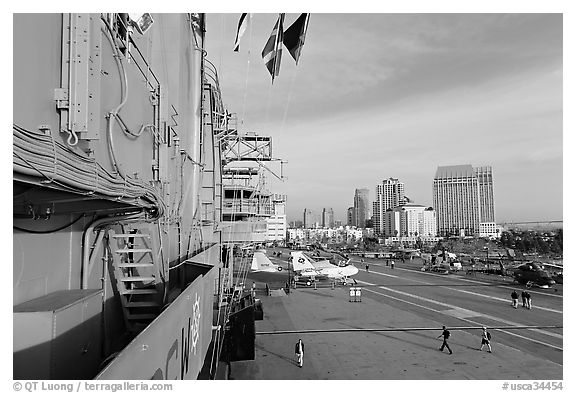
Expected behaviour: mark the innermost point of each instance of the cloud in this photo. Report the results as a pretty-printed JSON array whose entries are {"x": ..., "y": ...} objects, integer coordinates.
[{"x": 380, "y": 95}]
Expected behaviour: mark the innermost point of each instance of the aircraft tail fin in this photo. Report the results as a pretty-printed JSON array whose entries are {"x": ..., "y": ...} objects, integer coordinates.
[
  {"x": 261, "y": 262},
  {"x": 300, "y": 261}
]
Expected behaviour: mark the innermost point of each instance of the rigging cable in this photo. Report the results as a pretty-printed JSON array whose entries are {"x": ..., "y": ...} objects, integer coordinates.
[{"x": 247, "y": 69}]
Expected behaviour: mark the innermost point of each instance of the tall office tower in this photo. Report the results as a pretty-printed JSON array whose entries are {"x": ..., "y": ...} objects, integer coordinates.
[
  {"x": 350, "y": 219},
  {"x": 309, "y": 221},
  {"x": 361, "y": 206},
  {"x": 463, "y": 198},
  {"x": 486, "y": 193},
  {"x": 389, "y": 194},
  {"x": 327, "y": 217}
]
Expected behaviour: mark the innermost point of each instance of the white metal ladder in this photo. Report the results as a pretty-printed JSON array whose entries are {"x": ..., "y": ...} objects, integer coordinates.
[{"x": 136, "y": 273}]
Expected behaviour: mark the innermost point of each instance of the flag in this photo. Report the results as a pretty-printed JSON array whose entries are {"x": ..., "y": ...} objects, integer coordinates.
[
  {"x": 242, "y": 25},
  {"x": 272, "y": 52},
  {"x": 295, "y": 35}
]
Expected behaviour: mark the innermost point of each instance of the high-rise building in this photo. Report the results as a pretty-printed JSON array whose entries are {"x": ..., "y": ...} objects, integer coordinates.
[
  {"x": 463, "y": 197},
  {"x": 350, "y": 217},
  {"x": 361, "y": 207},
  {"x": 309, "y": 219},
  {"x": 327, "y": 217},
  {"x": 389, "y": 194},
  {"x": 485, "y": 193}
]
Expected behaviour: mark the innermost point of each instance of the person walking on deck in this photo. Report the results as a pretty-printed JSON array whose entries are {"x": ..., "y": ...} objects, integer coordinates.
[
  {"x": 486, "y": 337},
  {"x": 299, "y": 351},
  {"x": 445, "y": 335}
]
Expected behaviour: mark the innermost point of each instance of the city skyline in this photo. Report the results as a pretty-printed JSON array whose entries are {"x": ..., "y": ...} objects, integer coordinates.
[{"x": 380, "y": 95}]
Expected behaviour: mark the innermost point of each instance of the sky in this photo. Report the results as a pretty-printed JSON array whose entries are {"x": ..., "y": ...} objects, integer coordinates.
[{"x": 377, "y": 95}]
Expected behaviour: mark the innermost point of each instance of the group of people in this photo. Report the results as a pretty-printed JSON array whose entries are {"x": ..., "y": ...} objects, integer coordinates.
[
  {"x": 445, "y": 335},
  {"x": 526, "y": 299},
  {"x": 368, "y": 266}
]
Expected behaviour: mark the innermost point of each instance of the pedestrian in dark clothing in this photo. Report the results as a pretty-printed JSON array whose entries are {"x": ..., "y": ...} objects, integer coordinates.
[
  {"x": 486, "y": 337},
  {"x": 367, "y": 267},
  {"x": 514, "y": 296},
  {"x": 445, "y": 335},
  {"x": 528, "y": 300},
  {"x": 392, "y": 265},
  {"x": 299, "y": 351},
  {"x": 523, "y": 298}
]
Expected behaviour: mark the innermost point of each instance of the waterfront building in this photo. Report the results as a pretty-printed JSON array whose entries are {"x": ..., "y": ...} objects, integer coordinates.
[
  {"x": 463, "y": 197},
  {"x": 490, "y": 230},
  {"x": 361, "y": 207},
  {"x": 410, "y": 220},
  {"x": 389, "y": 194}
]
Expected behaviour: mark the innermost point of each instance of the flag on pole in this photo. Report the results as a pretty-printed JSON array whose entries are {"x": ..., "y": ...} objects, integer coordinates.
[
  {"x": 242, "y": 25},
  {"x": 295, "y": 35},
  {"x": 272, "y": 52}
]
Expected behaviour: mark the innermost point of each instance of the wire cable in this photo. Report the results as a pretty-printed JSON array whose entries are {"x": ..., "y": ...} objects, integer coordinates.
[{"x": 50, "y": 230}]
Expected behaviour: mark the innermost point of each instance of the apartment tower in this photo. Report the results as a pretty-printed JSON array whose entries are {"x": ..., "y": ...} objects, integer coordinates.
[{"x": 389, "y": 194}]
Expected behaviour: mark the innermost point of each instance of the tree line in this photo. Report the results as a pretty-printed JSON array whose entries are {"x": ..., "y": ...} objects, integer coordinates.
[{"x": 531, "y": 241}]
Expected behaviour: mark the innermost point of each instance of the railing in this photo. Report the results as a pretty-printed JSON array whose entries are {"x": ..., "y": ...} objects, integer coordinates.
[{"x": 244, "y": 206}]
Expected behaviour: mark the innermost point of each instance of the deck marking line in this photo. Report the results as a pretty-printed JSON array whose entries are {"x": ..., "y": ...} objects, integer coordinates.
[
  {"x": 472, "y": 293},
  {"x": 459, "y": 308}
]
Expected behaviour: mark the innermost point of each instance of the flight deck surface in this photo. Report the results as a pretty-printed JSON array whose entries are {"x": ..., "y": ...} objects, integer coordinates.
[{"x": 399, "y": 298}]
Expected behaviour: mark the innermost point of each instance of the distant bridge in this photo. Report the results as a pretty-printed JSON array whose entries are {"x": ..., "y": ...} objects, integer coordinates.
[{"x": 532, "y": 222}]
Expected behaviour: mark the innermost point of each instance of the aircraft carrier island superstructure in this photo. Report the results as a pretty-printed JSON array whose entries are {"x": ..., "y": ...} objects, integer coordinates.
[{"x": 120, "y": 137}]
